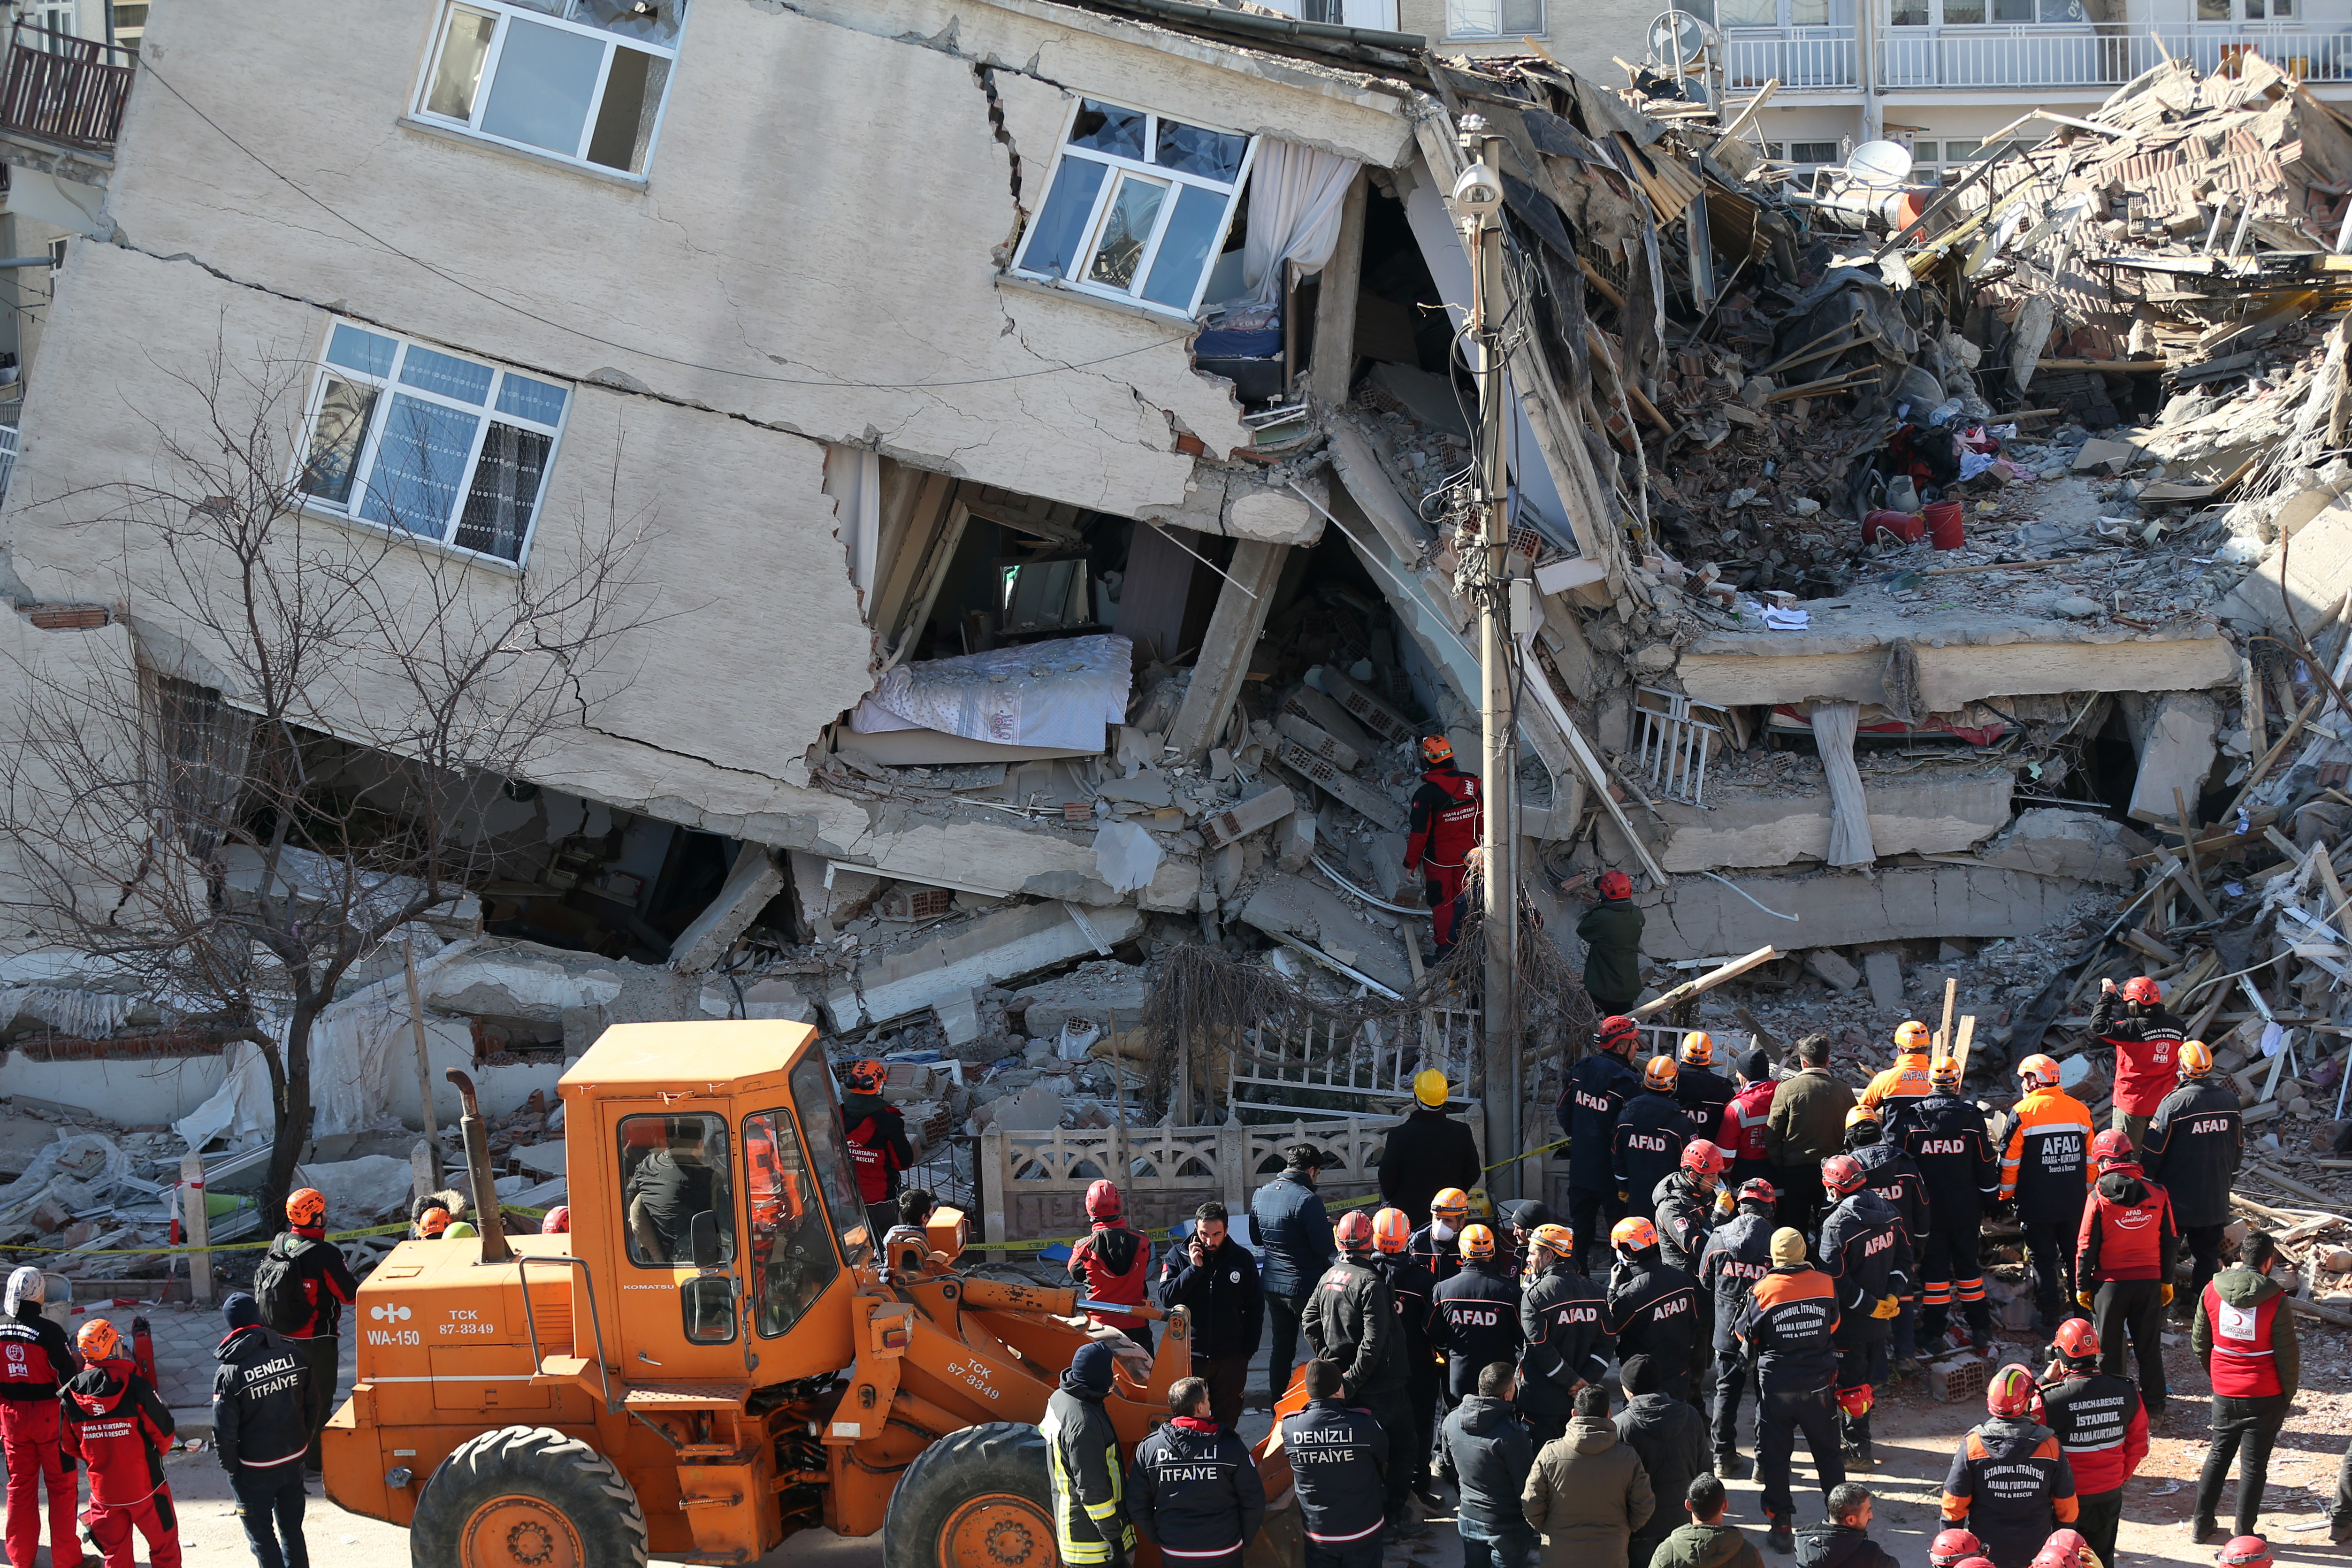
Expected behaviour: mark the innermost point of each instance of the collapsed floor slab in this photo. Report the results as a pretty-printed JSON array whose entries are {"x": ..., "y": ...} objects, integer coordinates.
[
  {"x": 1835, "y": 908},
  {"x": 1913, "y": 815},
  {"x": 996, "y": 947}
]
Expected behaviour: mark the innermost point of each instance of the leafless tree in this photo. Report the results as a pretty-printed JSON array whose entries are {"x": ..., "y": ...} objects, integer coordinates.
[{"x": 287, "y": 754}]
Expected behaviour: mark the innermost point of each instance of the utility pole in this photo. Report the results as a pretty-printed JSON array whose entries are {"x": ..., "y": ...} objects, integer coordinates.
[{"x": 1479, "y": 199}]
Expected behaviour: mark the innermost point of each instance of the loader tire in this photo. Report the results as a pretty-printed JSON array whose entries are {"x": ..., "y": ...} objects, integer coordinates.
[
  {"x": 980, "y": 1498},
  {"x": 526, "y": 1497}
]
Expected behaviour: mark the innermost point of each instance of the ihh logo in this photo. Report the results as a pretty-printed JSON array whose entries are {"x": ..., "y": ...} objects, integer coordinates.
[{"x": 385, "y": 1312}]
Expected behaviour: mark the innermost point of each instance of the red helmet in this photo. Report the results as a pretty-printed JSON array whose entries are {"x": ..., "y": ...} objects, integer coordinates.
[
  {"x": 1704, "y": 1158},
  {"x": 1354, "y": 1233},
  {"x": 2010, "y": 1392},
  {"x": 1616, "y": 885},
  {"x": 865, "y": 1078},
  {"x": 558, "y": 1221},
  {"x": 1758, "y": 1190},
  {"x": 2069, "y": 1546},
  {"x": 1843, "y": 1174},
  {"x": 2244, "y": 1552},
  {"x": 2140, "y": 988},
  {"x": 1391, "y": 1231},
  {"x": 2113, "y": 1147},
  {"x": 2076, "y": 1339},
  {"x": 1953, "y": 1545},
  {"x": 1617, "y": 1032},
  {"x": 1632, "y": 1233},
  {"x": 1660, "y": 1074},
  {"x": 1103, "y": 1201}
]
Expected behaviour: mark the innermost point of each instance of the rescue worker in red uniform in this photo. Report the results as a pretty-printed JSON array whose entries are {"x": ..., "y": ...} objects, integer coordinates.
[
  {"x": 878, "y": 1149},
  {"x": 1740, "y": 1134},
  {"x": 115, "y": 1423},
  {"x": 35, "y": 1358},
  {"x": 1113, "y": 1263},
  {"x": 2123, "y": 1264},
  {"x": 2102, "y": 1428},
  {"x": 1444, "y": 828},
  {"x": 557, "y": 1221},
  {"x": 2146, "y": 1034}
]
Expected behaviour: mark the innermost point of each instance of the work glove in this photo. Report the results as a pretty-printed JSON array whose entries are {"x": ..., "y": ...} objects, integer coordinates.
[
  {"x": 2167, "y": 1295},
  {"x": 2083, "y": 1299},
  {"x": 1724, "y": 1203},
  {"x": 1888, "y": 1307},
  {"x": 1623, "y": 1197}
]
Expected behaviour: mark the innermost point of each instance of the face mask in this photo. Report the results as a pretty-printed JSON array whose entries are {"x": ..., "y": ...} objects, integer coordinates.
[{"x": 1441, "y": 1231}]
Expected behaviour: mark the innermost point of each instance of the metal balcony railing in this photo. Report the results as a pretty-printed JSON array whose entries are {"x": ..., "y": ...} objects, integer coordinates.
[
  {"x": 65, "y": 89},
  {"x": 1798, "y": 59},
  {"x": 2017, "y": 55}
]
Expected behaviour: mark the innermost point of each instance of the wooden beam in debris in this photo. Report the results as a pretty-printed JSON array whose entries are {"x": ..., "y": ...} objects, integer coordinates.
[{"x": 1707, "y": 982}]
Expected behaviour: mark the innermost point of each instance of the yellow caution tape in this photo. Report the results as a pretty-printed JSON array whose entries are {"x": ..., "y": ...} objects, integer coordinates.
[{"x": 175, "y": 1251}]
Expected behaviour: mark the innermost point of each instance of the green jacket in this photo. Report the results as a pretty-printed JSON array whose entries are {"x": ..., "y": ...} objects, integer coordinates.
[
  {"x": 1807, "y": 1123},
  {"x": 1611, "y": 930},
  {"x": 2243, "y": 1287},
  {"x": 1694, "y": 1545}
]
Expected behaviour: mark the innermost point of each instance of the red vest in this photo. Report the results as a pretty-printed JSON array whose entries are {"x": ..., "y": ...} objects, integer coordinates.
[
  {"x": 1742, "y": 1133},
  {"x": 115, "y": 1437},
  {"x": 874, "y": 1160},
  {"x": 2131, "y": 1236},
  {"x": 2242, "y": 1366},
  {"x": 1103, "y": 1283}
]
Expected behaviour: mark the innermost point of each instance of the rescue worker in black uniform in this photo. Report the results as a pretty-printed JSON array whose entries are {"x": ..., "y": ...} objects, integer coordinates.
[
  {"x": 1410, "y": 1284},
  {"x": 1651, "y": 1133},
  {"x": 1589, "y": 1103},
  {"x": 1519, "y": 1219},
  {"x": 1653, "y": 1308},
  {"x": 1945, "y": 1138},
  {"x": 1475, "y": 1316},
  {"x": 1895, "y": 1176},
  {"x": 1689, "y": 1202},
  {"x": 1436, "y": 1246},
  {"x": 1702, "y": 1091},
  {"x": 1866, "y": 1253},
  {"x": 1563, "y": 1319},
  {"x": 2193, "y": 1147},
  {"x": 1428, "y": 1150},
  {"x": 1352, "y": 1319},
  {"x": 1789, "y": 1326},
  {"x": 1339, "y": 1460},
  {"x": 1737, "y": 1255},
  {"x": 1193, "y": 1488}
]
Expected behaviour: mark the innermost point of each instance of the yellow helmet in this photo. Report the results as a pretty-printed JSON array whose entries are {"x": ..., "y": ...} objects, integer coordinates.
[
  {"x": 1477, "y": 1241},
  {"x": 1911, "y": 1037},
  {"x": 1430, "y": 1088},
  {"x": 1451, "y": 1203}
]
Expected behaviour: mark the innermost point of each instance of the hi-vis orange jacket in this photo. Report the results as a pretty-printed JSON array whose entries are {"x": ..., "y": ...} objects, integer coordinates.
[
  {"x": 1907, "y": 1079},
  {"x": 2048, "y": 1165}
]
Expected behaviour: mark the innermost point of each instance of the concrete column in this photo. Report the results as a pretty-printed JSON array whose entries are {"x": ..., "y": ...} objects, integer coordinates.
[
  {"x": 195, "y": 1226},
  {"x": 989, "y": 1171},
  {"x": 1233, "y": 1172},
  {"x": 1335, "y": 311},
  {"x": 1224, "y": 657}
]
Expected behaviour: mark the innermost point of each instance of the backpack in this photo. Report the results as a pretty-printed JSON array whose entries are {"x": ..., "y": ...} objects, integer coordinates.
[{"x": 279, "y": 1288}]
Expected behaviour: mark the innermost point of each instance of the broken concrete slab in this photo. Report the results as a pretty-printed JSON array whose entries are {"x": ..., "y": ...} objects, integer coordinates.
[
  {"x": 2316, "y": 563},
  {"x": 1884, "y": 970},
  {"x": 1107, "y": 994},
  {"x": 958, "y": 1016},
  {"x": 2105, "y": 457},
  {"x": 2055, "y": 842},
  {"x": 1831, "y": 969},
  {"x": 1262, "y": 809},
  {"x": 1031, "y": 1110},
  {"x": 1431, "y": 399},
  {"x": 1924, "y": 815},
  {"x": 776, "y": 997},
  {"x": 1174, "y": 889},
  {"x": 980, "y": 852},
  {"x": 2178, "y": 753},
  {"x": 1274, "y": 516},
  {"x": 1305, "y": 909},
  {"x": 829, "y": 894},
  {"x": 1324, "y": 745},
  {"x": 1294, "y": 841},
  {"x": 1346, "y": 788},
  {"x": 996, "y": 947},
  {"x": 1848, "y": 909},
  {"x": 1327, "y": 717}
]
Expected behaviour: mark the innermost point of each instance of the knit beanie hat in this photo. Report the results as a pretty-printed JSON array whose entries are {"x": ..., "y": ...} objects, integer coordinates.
[
  {"x": 241, "y": 1310},
  {"x": 1091, "y": 1366},
  {"x": 1788, "y": 1246}
]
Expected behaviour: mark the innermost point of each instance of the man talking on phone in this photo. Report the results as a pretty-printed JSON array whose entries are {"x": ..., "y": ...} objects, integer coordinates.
[{"x": 1217, "y": 1276}]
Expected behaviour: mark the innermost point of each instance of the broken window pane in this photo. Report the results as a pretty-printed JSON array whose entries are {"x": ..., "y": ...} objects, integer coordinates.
[
  {"x": 624, "y": 120},
  {"x": 2062, "y": 10},
  {"x": 2213, "y": 11},
  {"x": 370, "y": 353},
  {"x": 648, "y": 21},
  {"x": 1126, "y": 230},
  {"x": 464, "y": 46},
  {"x": 1061, "y": 228},
  {"x": 462, "y": 380},
  {"x": 418, "y": 466},
  {"x": 505, "y": 490},
  {"x": 344, "y": 411},
  {"x": 1106, "y": 128},
  {"x": 1185, "y": 249},
  {"x": 1189, "y": 150},
  {"x": 546, "y": 79}
]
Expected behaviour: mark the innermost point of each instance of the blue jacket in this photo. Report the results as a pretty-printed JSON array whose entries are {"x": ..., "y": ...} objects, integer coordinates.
[
  {"x": 1596, "y": 1090},
  {"x": 1295, "y": 1234}
]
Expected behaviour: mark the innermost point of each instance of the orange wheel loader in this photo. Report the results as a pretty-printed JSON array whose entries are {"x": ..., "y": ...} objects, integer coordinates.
[{"x": 719, "y": 1352}]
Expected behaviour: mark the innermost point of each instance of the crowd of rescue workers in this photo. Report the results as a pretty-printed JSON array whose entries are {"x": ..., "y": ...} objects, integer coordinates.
[{"x": 1768, "y": 1234}]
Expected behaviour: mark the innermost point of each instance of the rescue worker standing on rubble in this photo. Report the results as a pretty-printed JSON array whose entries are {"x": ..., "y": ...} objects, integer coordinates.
[
  {"x": 1893, "y": 1176},
  {"x": 2194, "y": 1145},
  {"x": 1944, "y": 1137},
  {"x": 1443, "y": 829},
  {"x": 2145, "y": 1034},
  {"x": 323, "y": 1285},
  {"x": 1701, "y": 1090},
  {"x": 879, "y": 1150},
  {"x": 1789, "y": 1325},
  {"x": 1089, "y": 1495},
  {"x": 1863, "y": 1249},
  {"x": 1351, "y": 1320},
  {"x": 2123, "y": 1265},
  {"x": 1409, "y": 1283},
  {"x": 2010, "y": 1480},
  {"x": 2047, "y": 1170},
  {"x": 116, "y": 1424},
  {"x": 1611, "y": 933},
  {"x": 35, "y": 1359},
  {"x": 1653, "y": 1308},
  {"x": 1741, "y": 1134},
  {"x": 1651, "y": 1133},
  {"x": 1112, "y": 1263},
  {"x": 1737, "y": 1255},
  {"x": 1428, "y": 1150},
  {"x": 1907, "y": 1078},
  {"x": 2102, "y": 1428},
  {"x": 1589, "y": 1103},
  {"x": 1194, "y": 1491},
  {"x": 1563, "y": 1318},
  {"x": 1805, "y": 1126}
]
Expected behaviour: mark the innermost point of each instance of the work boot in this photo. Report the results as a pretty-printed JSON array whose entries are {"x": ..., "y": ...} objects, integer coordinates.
[
  {"x": 1426, "y": 1491},
  {"x": 1730, "y": 1466},
  {"x": 2341, "y": 1534},
  {"x": 1780, "y": 1538},
  {"x": 1858, "y": 1454},
  {"x": 2204, "y": 1530},
  {"x": 1405, "y": 1526}
]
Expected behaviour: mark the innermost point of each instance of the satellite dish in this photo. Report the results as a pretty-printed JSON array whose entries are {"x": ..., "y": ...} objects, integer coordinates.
[
  {"x": 1879, "y": 164},
  {"x": 1678, "y": 39}
]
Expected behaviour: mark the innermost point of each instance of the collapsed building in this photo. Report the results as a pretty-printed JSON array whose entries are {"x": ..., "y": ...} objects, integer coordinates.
[{"x": 1045, "y": 532}]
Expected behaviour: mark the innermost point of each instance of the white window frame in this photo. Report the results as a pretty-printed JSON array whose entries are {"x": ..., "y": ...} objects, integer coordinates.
[
  {"x": 507, "y": 13},
  {"x": 1455, "y": 27},
  {"x": 1120, "y": 168},
  {"x": 372, "y": 442}
]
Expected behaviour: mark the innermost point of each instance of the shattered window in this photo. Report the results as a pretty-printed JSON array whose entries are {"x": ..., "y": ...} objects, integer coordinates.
[
  {"x": 1137, "y": 206},
  {"x": 581, "y": 79},
  {"x": 449, "y": 449}
]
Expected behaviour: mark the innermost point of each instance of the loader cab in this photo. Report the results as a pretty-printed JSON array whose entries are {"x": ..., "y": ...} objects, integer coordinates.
[{"x": 725, "y": 1228}]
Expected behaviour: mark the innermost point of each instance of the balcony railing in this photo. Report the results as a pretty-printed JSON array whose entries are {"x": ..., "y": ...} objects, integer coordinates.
[
  {"x": 65, "y": 89},
  {"x": 2019, "y": 55},
  {"x": 1798, "y": 58}
]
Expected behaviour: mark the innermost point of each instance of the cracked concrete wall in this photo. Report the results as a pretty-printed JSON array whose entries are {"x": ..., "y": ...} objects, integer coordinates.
[{"x": 814, "y": 246}]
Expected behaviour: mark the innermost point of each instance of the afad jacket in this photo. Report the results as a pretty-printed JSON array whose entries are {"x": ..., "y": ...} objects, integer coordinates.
[
  {"x": 2194, "y": 1145},
  {"x": 1563, "y": 1316},
  {"x": 1598, "y": 1088},
  {"x": 2048, "y": 1167},
  {"x": 1194, "y": 1491},
  {"x": 115, "y": 1425},
  {"x": 1082, "y": 1464},
  {"x": 1474, "y": 1319},
  {"x": 1944, "y": 1137}
]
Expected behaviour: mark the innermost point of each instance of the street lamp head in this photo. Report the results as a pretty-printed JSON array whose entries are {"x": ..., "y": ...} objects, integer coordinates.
[{"x": 1478, "y": 190}]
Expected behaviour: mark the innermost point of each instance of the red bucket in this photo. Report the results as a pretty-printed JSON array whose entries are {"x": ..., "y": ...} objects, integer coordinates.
[
  {"x": 1902, "y": 527},
  {"x": 1945, "y": 528}
]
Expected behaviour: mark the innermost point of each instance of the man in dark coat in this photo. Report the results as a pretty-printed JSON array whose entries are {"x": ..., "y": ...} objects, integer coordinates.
[
  {"x": 1294, "y": 1235},
  {"x": 1415, "y": 1290},
  {"x": 1864, "y": 1250},
  {"x": 2010, "y": 1480},
  {"x": 1737, "y": 1255},
  {"x": 1351, "y": 1320},
  {"x": 1091, "y": 1527},
  {"x": 1193, "y": 1489},
  {"x": 1428, "y": 1150},
  {"x": 1492, "y": 1454},
  {"x": 1705, "y": 1540},
  {"x": 1688, "y": 1202},
  {"x": 1215, "y": 1276},
  {"x": 1653, "y": 1308},
  {"x": 1845, "y": 1540},
  {"x": 1806, "y": 1126},
  {"x": 1670, "y": 1439},
  {"x": 1564, "y": 1318},
  {"x": 2193, "y": 1146},
  {"x": 1895, "y": 1176},
  {"x": 260, "y": 1429},
  {"x": 1652, "y": 1131},
  {"x": 1945, "y": 1138},
  {"x": 1594, "y": 1096},
  {"x": 1611, "y": 933}
]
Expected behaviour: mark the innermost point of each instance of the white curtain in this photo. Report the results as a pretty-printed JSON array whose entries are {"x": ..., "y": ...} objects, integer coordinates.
[
  {"x": 1834, "y": 727},
  {"x": 1294, "y": 197}
]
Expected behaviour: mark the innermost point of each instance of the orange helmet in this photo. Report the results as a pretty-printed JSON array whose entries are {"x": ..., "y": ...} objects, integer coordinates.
[
  {"x": 2140, "y": 988},
  {"x": 1477, "y": 1241},
  {"x": 306, "y": 1206},
  {"x": 1698, "y": 1050},
  {"x": 1911, "y": 1037},
  {"x": 866, "y": 1077},
  {"x": 2196, "y": 1059},
  {"x": 99, "y": 1340},
  {"x": 1946, "y": 1074},
  {"x": 558, "y": 1221},
  {"x": 432, "y": 1223},
  {"x": 1436, "y": 749},
  {"x": 1704, "y": 1158},
  {"x": 1632, "y": 1233},
  {"x": 1451, "y": 1203},
  {"x": 1353, "y": 1233},
  {"x": 1392, "y": 1230},
  {"x": 1556, "y": 1239},
  {"x": 1660, "y": 1074},
  {"x": 2041, "y": 1069},
  {"x": 2076, "y": 1339},
  {"x": 2010, "y": 1392}
]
